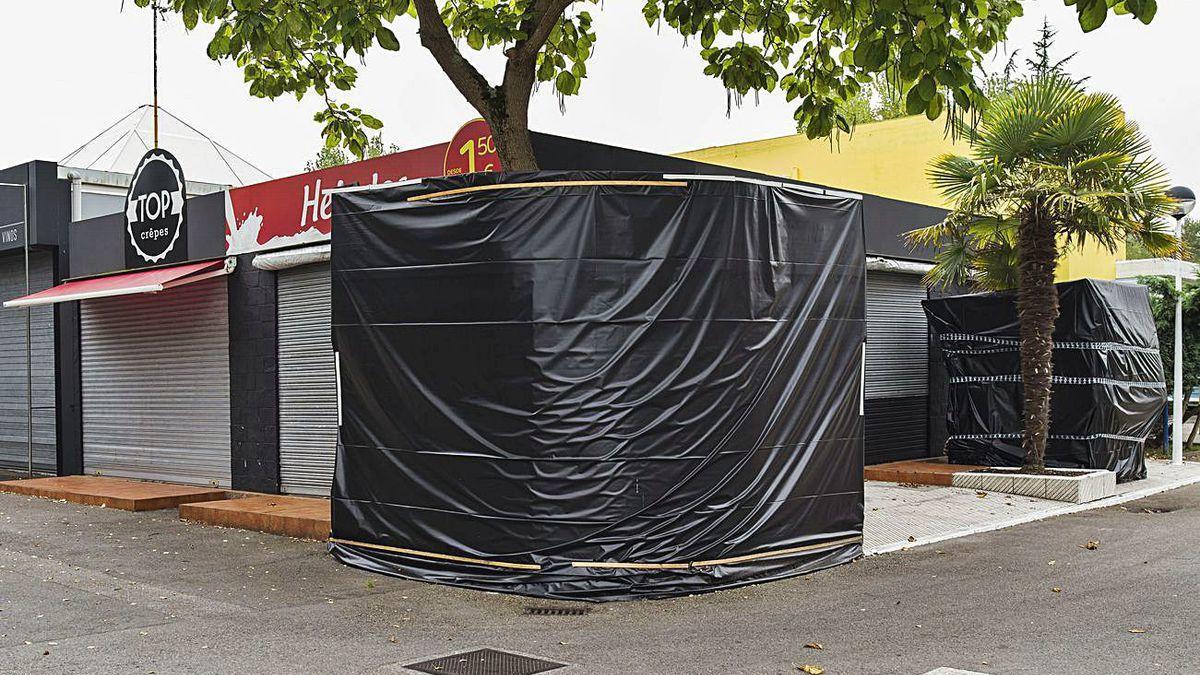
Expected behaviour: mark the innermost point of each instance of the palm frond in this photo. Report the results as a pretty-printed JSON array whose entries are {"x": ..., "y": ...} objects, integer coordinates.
[
  {"x": 1050, "y": 148},
  {"x": 931, "y": 236},
  {"x": 951, "y": 266}
]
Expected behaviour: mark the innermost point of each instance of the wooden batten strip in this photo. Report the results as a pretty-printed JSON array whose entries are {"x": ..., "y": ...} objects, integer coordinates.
[
  {"x": 723, "y": 561},
  {"x": 439, "y": 556},
  {"x": 608, "y": 565},
  {"x": 548, "y": 184}
]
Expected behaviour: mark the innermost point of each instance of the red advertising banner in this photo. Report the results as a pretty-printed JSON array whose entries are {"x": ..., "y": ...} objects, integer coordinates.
[{"x": 295, "y": 210}]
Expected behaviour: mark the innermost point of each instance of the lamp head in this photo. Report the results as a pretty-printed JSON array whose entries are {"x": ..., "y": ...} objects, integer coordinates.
[{"x": 1185, "y": 201}]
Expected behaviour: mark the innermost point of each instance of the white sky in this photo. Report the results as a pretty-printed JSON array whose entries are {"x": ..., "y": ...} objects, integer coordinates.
[{"x": 75, "y": 66}]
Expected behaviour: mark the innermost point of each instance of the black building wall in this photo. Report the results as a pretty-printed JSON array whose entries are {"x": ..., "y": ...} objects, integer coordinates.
[
  {"x": 97, "y": 245},
  {"x": 253, "y": 378}
]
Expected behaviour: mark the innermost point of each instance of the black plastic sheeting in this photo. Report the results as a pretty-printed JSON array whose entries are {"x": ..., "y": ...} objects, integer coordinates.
[
  {"x": 1108, "y": 390},
  {"x": 598, "y": 392}
]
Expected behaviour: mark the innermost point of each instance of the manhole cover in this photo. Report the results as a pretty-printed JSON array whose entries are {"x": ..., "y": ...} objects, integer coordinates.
[
  {"x": 485, "y": 662},
  {"x": 557, "y": 611}
]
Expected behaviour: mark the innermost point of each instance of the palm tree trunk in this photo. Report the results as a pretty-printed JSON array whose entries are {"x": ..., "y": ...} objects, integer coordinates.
[{"x": 1037, "y": 307}]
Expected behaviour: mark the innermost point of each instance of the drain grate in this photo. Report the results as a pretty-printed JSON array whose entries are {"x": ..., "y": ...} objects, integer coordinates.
[
  {"x": 557, "y": 611},
  {"x": 485, "y": 662}
]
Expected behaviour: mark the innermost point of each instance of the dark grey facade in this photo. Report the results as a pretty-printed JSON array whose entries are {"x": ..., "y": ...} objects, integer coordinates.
[{"x": 40, "y": 209}]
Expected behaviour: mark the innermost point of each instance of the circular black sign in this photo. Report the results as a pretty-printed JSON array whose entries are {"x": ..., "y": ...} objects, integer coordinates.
[{"x": 154, "y": 209}]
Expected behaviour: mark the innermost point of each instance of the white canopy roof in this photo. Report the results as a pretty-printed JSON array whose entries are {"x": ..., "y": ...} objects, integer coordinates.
[{"x": 119, "y": 147}]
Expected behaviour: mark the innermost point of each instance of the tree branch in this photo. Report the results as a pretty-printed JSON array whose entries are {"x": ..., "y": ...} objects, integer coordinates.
[
  {"x": 546, "y": 14},
  {"x": 435, "y": 37}
]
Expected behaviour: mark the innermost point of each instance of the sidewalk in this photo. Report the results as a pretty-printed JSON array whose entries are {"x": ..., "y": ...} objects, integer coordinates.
[{"x": 903, "y": 517}]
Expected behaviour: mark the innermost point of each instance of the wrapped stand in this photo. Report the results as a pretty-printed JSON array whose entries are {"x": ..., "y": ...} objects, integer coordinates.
[
  {"x": 1108, "y": 389},
  {"x": 597, "y": 386}
]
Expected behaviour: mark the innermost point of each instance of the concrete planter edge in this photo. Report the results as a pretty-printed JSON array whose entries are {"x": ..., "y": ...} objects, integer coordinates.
[{"x": 1089, "y": 485}]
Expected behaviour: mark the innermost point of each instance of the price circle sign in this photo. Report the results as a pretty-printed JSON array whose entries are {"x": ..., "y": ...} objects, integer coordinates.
[{"x": 471, "y": 150}]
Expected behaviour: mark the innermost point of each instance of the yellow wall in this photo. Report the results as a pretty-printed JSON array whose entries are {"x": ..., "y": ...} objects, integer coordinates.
[{"x": 882, "y": 158}]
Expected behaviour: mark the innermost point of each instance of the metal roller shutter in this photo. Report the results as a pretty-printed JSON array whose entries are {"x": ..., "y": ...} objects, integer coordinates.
[
  {"x": 897, "y": 367},
  {"x": 307, "y": 382},
  {"x": 156, "y": 385},
  {"x": 14, "y": 423}
]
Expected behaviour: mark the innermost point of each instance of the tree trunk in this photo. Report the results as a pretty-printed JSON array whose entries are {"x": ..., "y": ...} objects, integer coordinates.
[
  {"x": 513, "y": 142},
  {"x": 1037, "y": 307},
  {"x": 506, "y": 107}
]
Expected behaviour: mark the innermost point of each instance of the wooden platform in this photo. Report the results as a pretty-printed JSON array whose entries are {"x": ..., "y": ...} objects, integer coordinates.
[
  {"x": 301, "y": 517},
  {"x": 114, "y": 493},
  {"x": 917, "y": 471}
]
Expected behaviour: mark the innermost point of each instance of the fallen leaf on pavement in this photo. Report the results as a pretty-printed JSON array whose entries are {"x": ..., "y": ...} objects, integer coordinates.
[
  {"x": 1091, "y": 545},
  {"x": 980, "y": 493},
  {"x": 810, "y": 669},
  {"x": 814, "y": 645},
  {"x": 1056, "y": 589}
]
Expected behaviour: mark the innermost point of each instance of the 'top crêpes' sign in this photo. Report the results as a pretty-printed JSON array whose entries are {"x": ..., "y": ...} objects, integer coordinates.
[{"x": 156, "y": 212}]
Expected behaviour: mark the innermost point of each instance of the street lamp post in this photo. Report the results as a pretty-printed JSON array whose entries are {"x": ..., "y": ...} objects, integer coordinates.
[{"x": 1185, "y": 201}]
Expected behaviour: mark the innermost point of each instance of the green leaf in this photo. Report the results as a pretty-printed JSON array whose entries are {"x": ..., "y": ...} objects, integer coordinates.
[
  {"x": 1147, "y": 12},
  {"x": 566, "y": 83},
  {"x": 387, "y": 39},
  {"x": 926, "y": 88},
  {"x": 913, "y": 103},
  {"x": 1092, "y": 14},
  {"x": 871, "y": 55},
  {"x": 936, "y": 105}
]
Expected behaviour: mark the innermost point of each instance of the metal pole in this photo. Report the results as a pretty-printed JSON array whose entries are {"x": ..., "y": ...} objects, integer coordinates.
[
  {"x": 28, "y": 333},
  {"x": 154, "y": 11},
  {"x": 1178, "y": 408}
]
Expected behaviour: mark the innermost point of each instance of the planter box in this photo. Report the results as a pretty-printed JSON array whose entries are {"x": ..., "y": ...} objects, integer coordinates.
[{"x": 1085, "y": 486}]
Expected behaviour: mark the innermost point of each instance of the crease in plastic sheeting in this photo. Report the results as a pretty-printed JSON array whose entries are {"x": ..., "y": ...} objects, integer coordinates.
[
  {"x": 637, "y": 375},
  {"x": 1108, "y": 386}
]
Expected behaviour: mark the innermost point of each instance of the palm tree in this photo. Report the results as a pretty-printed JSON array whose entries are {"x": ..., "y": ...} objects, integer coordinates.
[{"x": 1052, "y": 167}]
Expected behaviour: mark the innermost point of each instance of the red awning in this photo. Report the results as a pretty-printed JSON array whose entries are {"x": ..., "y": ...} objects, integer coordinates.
[{"x": 128, "y": 283}]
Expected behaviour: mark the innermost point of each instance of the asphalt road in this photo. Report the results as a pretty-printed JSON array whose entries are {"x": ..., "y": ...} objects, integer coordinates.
[{"x": 90, "y": 590}]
